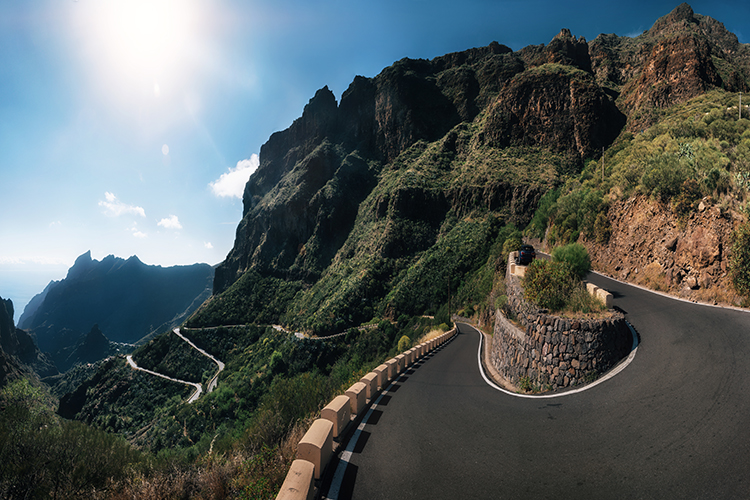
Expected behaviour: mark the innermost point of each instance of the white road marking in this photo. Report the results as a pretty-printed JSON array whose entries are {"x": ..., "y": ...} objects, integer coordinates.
[{"x": 617, "y": 369}]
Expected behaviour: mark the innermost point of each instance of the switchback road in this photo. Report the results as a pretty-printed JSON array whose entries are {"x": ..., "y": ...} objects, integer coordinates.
[
  {"x": 675, "y": 423},
  {"x": 198, "y": 387}
]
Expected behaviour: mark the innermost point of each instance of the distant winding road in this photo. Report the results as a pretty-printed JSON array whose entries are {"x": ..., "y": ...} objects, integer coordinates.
[
  {"x": 675, "y": 423},
  {"x": 198, "y": 387}
]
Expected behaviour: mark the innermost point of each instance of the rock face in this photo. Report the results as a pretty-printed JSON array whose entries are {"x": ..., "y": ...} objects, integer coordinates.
[
  {"x": 19, "y": 354},
  {"x": 650, "y": 246},
  {"x": 682, "y": 56},
  {"x": 555, "y": 107},
  {"x": 126, "y": 298}
]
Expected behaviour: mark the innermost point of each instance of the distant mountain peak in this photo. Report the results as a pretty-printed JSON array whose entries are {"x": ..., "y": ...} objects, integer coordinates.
[{"x": 81, "y": 266}]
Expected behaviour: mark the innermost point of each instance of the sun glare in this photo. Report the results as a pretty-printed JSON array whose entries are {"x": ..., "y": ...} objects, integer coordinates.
[
  {"x": 148, "y": 36},
  {"x": 143, "y": 41}
]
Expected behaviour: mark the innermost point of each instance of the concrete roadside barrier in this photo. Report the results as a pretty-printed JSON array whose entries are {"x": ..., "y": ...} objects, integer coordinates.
[
  {"x": 338, "y": 412},
  {"x": 401, "y": 362},
  {"x": 605, "y": 297},
  {"x": 316, "y": 445},
  {"x": 392, "y": 365},
  {"x": 412, "y": 355},
  {"x": 299, "y": 483},
  {"x": 357, "y": 395},
  {"x": 315, "y": 449},
  {"x": 371, "y": 382},
  {"x": 382, "y": 372}
]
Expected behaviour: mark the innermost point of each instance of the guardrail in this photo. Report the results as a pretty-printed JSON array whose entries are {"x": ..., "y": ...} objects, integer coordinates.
[{"x": 326, "y": 434}]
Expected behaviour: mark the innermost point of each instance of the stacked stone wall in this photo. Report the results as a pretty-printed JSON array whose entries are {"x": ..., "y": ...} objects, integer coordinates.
[{"x": 551, "y": 352}]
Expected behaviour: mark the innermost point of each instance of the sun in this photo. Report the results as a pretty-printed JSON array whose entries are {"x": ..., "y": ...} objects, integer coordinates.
[
  {"x": 143, "y": 40},
  {"x": 149, "y": 35}
]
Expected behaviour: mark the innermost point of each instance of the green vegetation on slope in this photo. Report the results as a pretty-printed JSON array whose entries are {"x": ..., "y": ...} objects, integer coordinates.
[
  {"x": 44, "y": 456},
  {"x": 430, "y": 232},
  {"x": 168, "y": 354},
  {"x": 697, "y": 149}
]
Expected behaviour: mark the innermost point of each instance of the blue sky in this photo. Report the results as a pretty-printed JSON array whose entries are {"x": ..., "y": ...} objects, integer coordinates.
[{"x": 130, "y": 127}]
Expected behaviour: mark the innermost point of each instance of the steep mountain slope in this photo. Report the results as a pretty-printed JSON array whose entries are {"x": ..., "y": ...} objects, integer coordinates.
[
  {"x": 125, "y": 298},
  {"x": 19, "y": 355},
  {"x": 354, "y": 195}
]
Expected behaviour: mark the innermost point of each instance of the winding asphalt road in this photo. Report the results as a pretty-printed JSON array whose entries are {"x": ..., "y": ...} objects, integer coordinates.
[
  {"x": 674, "y": 424},
  {"x": 198, "y": 387}
]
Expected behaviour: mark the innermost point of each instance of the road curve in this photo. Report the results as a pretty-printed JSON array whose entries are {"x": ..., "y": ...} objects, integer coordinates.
[
  {"x": 193, "y": 397},
  {"x": 215, "y": 379},
  {"x": 674, "y": 424}
]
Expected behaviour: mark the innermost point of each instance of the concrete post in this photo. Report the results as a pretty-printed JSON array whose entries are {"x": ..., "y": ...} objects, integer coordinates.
[{"x": 316, "y": 445}]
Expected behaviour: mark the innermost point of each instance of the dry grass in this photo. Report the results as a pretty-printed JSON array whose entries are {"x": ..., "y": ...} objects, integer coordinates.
[
  {"x": 239, "y": 474},
  {"x": 432, "y": 334}
]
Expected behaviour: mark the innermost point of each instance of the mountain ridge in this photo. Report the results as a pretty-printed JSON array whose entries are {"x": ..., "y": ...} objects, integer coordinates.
[
  {"x": 125, "y": 297},
  {"x": 568, "y": 101}
]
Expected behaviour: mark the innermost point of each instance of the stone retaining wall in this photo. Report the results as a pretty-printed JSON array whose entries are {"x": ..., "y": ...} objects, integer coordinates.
[{"x": 550, "y": 352}]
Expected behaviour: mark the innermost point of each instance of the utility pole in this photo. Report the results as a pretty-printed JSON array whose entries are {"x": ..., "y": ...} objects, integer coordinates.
[
  {"x": 602, "y": 164},
  {"x": 740, "y": 105}
]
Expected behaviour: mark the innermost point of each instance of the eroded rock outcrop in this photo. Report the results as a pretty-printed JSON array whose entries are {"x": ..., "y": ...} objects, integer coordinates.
[{"x": 651, "y": 246}]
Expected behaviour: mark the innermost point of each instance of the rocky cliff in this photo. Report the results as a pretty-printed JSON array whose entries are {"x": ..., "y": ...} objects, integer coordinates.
[
  {"x": 19, "y": 355},
  {"x": 406, "y": 154},
  {"x": 652, "y": 247}
]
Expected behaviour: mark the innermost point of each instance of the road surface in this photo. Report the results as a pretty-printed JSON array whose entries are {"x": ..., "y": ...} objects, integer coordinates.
[{"x": 675, "y": 423}]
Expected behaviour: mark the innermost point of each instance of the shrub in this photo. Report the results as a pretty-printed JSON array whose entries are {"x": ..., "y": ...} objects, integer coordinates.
[
  {"x": 574, "y": 213},
  {"x": 602, "y": 228},
  {"x": 548, "y": 284},
  {"x": 664, "y": 176},
  {"x": 690, "y": 193},
  {"x": 404, "y": 343},
  {"x": 576, "y": 256},
  {"x": 538, "y": 225}
]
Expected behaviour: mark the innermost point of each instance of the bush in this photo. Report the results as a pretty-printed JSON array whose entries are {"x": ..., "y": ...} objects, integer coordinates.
[
  {"x": 576, "y": 256},
  {"x": 664, "y": 176},
  {"x": 404, "y": 343},
  {"x": 686, "y": 201},
  {"x": 538, "y": 225},
  {"x": 574, "y": 213},
  {"x": 548, "y": 284}
]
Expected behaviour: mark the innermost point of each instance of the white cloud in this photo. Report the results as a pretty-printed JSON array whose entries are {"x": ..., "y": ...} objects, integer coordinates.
[
  {"x": 208, "y": 245},
  {"x": 137, "y": 232},
  {"x": 114, "y": 207},
  {"x": 232, "y": 183},
  {"x": 171, "y": 222}
]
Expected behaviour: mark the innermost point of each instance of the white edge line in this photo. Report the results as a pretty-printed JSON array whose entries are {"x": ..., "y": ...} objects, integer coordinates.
[
  {"x": 338, "y": 477},
  {"x": 673, "y": 297},
  {"x": 617, "y": 369}
]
